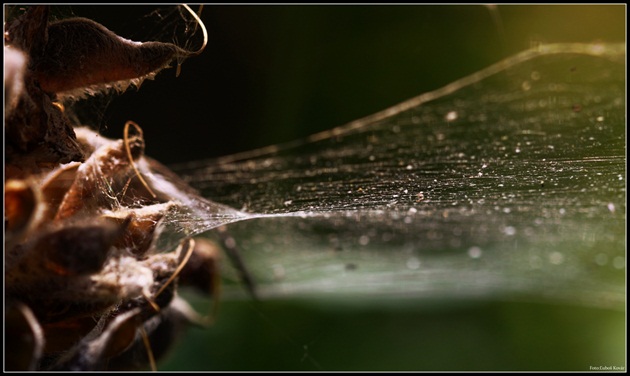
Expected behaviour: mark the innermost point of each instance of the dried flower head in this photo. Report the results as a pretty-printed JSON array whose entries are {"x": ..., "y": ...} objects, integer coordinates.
[{"x": 86, "y": 287}]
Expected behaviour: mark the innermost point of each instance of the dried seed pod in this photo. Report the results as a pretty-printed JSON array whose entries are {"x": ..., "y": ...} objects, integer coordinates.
[{"x": 86, "y": 284}]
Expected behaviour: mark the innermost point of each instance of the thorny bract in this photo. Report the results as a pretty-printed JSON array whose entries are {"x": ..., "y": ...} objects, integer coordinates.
[{"x": 86, "y": 287}]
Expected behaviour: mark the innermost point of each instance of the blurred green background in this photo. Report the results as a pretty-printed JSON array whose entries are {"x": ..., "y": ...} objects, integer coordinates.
[
  {"x": 271, "y": 74},
  {"x": 403, "y": 336}
]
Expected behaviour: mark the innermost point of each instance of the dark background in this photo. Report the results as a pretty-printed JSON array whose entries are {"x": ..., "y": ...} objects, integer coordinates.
[{"x": 271, "y": 74}]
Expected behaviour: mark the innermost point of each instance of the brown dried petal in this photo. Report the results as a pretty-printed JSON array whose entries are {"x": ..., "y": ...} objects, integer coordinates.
[
  {"x": 139, "y": 234},
  {"x": 20, "y": 202},
  {"x": 101, "y": 181},
  {"x": 55, "y": 186},
  {"x": 39, "y": 267},
  {"x": 80, "y": 249},
  {"x": 202, "y": 270},
  {"x": 110, "y": 337},
  {"x": 81, "y": 52}
]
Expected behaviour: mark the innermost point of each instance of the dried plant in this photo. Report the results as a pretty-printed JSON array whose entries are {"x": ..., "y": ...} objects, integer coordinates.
[{"x": 86, "y": 287}]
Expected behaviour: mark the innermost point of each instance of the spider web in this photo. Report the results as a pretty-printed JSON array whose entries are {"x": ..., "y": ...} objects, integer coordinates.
[{"x": 509, "y": 183}]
